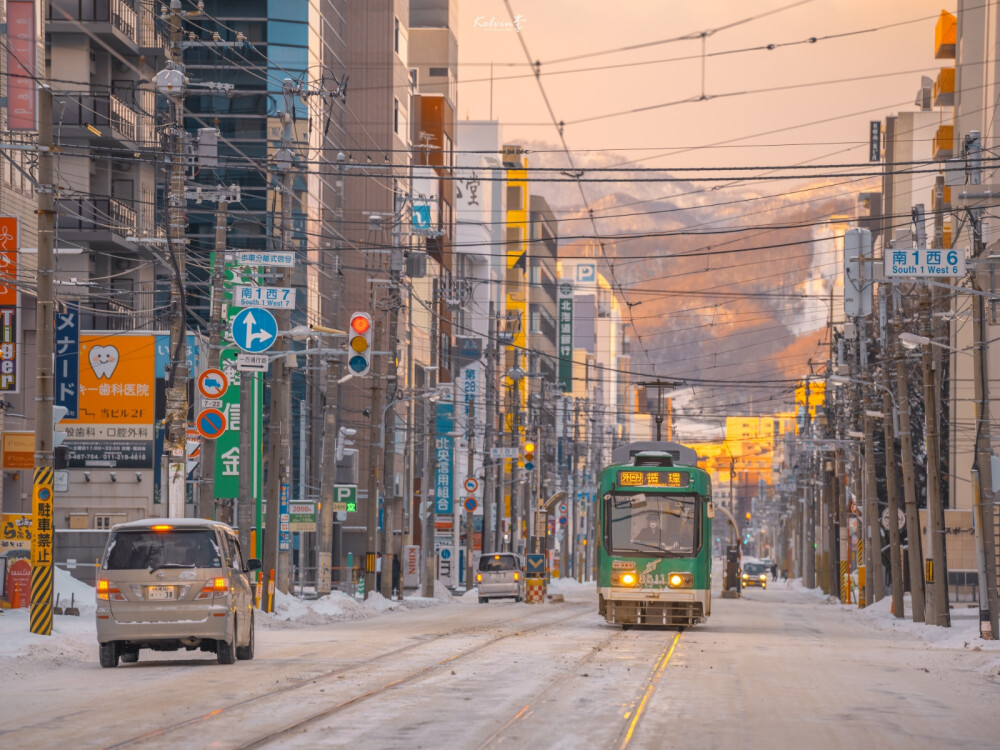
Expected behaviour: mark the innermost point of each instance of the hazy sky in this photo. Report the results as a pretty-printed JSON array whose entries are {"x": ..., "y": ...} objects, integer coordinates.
[{"x": 865, "y": 63}]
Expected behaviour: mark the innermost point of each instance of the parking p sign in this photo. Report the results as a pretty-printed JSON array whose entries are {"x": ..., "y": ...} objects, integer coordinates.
[{"x": 345, "y": 498}]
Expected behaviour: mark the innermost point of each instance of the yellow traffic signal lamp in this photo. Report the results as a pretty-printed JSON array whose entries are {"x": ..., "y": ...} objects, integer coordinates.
[
  {"x": 529, "y": 456},
  {"x": 748, "y": 515},
  {"x": 359, "y": 340}
]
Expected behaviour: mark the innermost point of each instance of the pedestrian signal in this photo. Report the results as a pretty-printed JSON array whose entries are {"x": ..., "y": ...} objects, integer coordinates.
[{"x": 359, "y": 342}]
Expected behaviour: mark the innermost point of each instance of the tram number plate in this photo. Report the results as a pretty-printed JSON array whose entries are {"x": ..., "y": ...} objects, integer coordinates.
[{"x": 652, "y": 479}]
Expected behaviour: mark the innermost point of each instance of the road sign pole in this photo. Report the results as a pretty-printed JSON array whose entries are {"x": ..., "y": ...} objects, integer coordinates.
[{"x": 206, "y": 492}]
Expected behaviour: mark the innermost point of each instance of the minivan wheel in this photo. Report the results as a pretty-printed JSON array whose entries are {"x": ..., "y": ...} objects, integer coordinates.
[
  {"x": 130, "y": 656},
  {"x": 225, "y": 651},
  {"x": 109, "y": 654},
  {"x": 246, "y": 652}
]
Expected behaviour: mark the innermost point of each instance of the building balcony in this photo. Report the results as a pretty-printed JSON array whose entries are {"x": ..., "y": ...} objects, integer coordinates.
[
  {"x": 101, "y": 223},
  {"x": 111, "y": 21},
  {"x": 114, "y": 120},
  {"x": 944, "y": 88},
  {"x": 943, "y": 142},
  {"x": 944, "y": 36}
]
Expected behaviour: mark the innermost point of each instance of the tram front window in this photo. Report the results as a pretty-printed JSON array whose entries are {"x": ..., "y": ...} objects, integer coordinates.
[{"x": 648, "y": 524}]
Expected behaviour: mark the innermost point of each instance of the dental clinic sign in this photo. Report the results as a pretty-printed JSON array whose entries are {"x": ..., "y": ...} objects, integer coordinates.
[{"x": 915, "y": 262}]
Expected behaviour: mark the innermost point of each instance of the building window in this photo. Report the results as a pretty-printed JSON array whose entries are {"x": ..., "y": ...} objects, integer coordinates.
[
  {"x": 536, "y": 274},
  {"x": 437, "y": 72},
  {"x": 515, "y": 199},
  {"x": 535, "y": 322},
  {"x": 395, "y": 34},
  {"x": 513, "y": 239},
  {"x": 395, "y": 116}
]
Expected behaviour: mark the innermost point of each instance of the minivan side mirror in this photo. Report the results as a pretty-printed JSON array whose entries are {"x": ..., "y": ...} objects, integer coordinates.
[{"x": 253, "y": 564}]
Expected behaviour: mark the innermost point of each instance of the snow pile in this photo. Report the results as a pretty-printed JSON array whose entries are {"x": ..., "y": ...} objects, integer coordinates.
[{"x": 569, "y": 586}]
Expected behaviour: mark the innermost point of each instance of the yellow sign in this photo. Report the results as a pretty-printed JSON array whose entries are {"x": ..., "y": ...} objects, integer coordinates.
[
  {"x": 18, "y": 451},
  {"x": 15, "y": 532}
]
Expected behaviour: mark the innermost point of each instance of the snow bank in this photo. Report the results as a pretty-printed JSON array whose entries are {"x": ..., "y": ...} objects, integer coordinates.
[{"x": 569, "y": 586}]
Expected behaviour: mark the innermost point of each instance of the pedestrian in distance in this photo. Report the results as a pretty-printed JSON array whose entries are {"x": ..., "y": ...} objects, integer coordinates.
[
  {"x": 378, "y": 571},
  {"x": 397, "y": 585},
  {"x": 774, "y": 571}
]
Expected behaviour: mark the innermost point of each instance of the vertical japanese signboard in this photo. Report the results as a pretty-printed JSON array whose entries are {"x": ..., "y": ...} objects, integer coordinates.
[
  {"x": 68, "y": 361},
  {"x": 9, "y": 239},
  {"x": 566, "y": 335},
  {"x": 445, "y": 454},
  {"x": 21, "y": 48},
  {"x": 116, "y": 404},
  {"x": 875, "y": 140},
  {"x": 228, "y": 465},
  {"x": 40, "y": 621}
]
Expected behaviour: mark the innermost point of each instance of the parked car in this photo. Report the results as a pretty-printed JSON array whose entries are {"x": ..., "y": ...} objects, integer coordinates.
[
  {"x": 170, "y": 583},
  {"x": 500, "y": 576}
]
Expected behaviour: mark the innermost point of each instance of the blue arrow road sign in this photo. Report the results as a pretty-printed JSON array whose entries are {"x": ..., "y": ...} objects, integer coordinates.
[{"x": 254, "y": 330}]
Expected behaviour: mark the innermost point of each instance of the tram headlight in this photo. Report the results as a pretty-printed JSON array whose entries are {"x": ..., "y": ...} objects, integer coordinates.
[
  {"x": 680, "y": 580},
  {"x": 626, "y": 578}
]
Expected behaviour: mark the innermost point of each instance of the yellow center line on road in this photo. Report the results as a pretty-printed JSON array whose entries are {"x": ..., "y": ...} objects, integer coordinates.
[{"x": 661, "y": 664}]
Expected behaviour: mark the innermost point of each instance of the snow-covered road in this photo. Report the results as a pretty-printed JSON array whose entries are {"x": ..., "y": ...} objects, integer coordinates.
[{"x": 779, "y": 668}]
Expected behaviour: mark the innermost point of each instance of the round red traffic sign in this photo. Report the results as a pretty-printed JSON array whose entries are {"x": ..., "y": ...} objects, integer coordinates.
[
  {"x": 471, "y": 504},
  {"x": 471, "y": 484},
  {"x": 211, "y": 423},
  {"x": 212, "y": 383}
]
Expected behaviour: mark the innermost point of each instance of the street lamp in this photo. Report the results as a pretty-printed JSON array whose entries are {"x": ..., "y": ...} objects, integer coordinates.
[{"x": 915, "y": 341}]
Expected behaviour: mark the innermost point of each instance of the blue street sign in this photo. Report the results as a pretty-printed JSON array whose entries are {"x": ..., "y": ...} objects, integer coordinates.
[
  {"x": 254, "y": 330},
  {"x": 535, "y": 566}
]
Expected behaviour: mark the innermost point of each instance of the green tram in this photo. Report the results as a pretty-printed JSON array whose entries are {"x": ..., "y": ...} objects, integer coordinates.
[{"x": 655, "y": 529}]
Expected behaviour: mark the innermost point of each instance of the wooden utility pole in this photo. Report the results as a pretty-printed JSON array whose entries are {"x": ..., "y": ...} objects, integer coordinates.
[{"x": 40, "y": 619}]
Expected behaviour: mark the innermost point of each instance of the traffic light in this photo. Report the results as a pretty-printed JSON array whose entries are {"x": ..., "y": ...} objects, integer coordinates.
[
  {"x": 360, "y": 342},
  {"x": 748, "y": 515},
  {"x": 58, "y": 414},
  {"x": 529, "y": 456}
]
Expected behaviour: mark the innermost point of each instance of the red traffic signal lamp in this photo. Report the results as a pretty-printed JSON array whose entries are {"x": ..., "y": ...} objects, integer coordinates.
[
  {"x": 359, "y": 341},
  {"x": 529, "y": 456}
]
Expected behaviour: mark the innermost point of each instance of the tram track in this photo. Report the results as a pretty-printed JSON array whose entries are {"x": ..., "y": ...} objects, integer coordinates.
[
  {"x": 634, "y": 715},
  {"x": 333, "y": 675}
]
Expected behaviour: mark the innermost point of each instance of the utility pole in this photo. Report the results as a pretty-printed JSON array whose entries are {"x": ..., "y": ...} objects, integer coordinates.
[
  {"x": 913, "y": 533},
  {"x": 426, "y": 502},
  {"x": 172, "y": 82},
  {"x": 207, "y": 507},
  {"x": 892, "y": 489},
  {"x": 875, "y": 572},
  {"x": 324, "y": 559},
  {"x": 982, "y": 475},
  {"x": 374, "y": 485},
  {"x": 276, "y": 552},
  {"x": 392, "y": 515},
  {"x": 470, "y": 436},
  {"x": 490, "y": 480},
  {"x": 809, "y": 510},
  {"x": 40, "y": 619}
]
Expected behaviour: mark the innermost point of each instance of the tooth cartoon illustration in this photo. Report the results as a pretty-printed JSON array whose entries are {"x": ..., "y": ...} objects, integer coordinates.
[{"x": 103, "y": 360}]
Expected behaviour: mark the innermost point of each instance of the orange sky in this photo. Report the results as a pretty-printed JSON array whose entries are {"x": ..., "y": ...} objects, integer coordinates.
[{"x": 553, "y": 29}]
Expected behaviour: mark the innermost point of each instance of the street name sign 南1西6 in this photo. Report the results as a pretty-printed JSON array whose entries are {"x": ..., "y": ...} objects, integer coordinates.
[
  {"x": 917, "y": 262},
  {"x": 504, "y": 452}
]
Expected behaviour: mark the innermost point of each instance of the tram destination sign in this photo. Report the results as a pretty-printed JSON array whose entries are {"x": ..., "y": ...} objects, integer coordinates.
[
  {"x": 918, "y": 262},
  {"x": 672, "y": 479}
]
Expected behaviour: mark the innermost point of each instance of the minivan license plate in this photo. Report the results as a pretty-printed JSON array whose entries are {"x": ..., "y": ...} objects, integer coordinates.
[{"x": 159, "y": 592}]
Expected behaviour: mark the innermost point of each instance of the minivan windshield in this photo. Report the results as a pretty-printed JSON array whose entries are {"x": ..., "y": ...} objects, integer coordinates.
[
  {"x": 497, "y": 562},
  {"x": 652, "y": 524},
  {"x": 154, "y": 550},
  {"x": 754, "y": 568}
]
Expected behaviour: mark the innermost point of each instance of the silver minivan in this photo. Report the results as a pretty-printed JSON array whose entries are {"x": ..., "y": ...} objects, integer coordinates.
[
  {"x": 500, "y": 576},
  {"x": 171, "y": 583}
]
